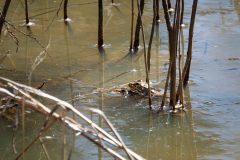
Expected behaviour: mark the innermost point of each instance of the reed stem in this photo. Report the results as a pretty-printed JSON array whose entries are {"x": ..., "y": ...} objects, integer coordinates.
[
  {"x": 187, "y": 66},
  {"x": 100, "y": 23},
  {"x": 138, "y": 26},
  {"x": 132, "y": 20},
  {"x": 26, "y": 12},
  {"x": 145, "y": 57},
  {"x": 65, "y": 15},
  {"x": 3, "y": 14}
]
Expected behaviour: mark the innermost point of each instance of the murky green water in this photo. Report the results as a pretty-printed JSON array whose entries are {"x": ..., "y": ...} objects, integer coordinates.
[{"x": 74, "y": 66}]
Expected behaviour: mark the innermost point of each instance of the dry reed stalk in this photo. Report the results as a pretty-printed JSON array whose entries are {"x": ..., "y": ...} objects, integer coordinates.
[
  {"x": 3, "y": 14},
  {"x": 92, "y": 131},
  {"x": 180, "y": 57},
  {"x": 151, "y": 36},
  {"x": 165, "y": 89},
  {"x": 138, "y": 26},
  {"x": 187, "y": 66},
  {"x": 100, "y": 23},
  {"x": 145, "y": 56},
  {"x": 65, "y": 5},
  {"x": 169, "y": 5},
  {"x": 132, "y": 20},
  {"x": 157, "y": 11},
  {"x": 173, "y": 34},
  {"x": 180, "y": 82},
  {"x": 26, "y": 12}
]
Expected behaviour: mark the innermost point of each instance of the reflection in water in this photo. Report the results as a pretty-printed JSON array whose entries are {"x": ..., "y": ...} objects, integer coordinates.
[{"x": 156, "y": 136}]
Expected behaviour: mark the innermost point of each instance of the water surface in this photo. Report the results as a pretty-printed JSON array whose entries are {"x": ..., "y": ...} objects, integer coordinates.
[{"x": 74, "y": 66}]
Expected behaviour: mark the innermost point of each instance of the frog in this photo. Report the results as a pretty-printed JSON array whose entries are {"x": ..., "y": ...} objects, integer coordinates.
[{"x": 137, "y": 88}]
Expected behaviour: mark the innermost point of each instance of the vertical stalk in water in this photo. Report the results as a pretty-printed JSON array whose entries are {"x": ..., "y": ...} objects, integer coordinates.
[
  {"x": 182, "y": 12},
  {"x": 138, "y": 26},
  {"x": 131, "y": 40},
  {"x": 169, "y": 4},
  {"x": 180, "y": 83},
  {"x": 4, "y": 13},
  {"x": 65, "y": 15},
  {"x": 181, "y": 57},
  {"x": 151, "y": 36},
  {"x": 157, "y": 11},
  {"x": 187, "y": 65},
  {"x": 100, "y": 23},
  {"x": 145, "y": 56},
  {"x": 26, "y": 12},
  {"x": 173, "y": 31},
  {"x": 176, "y": 28},
  {"x": 165, "y": 88}
]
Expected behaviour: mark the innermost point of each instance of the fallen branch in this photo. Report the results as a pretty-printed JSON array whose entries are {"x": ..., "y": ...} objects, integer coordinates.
[{"x": 91, "y": 131}]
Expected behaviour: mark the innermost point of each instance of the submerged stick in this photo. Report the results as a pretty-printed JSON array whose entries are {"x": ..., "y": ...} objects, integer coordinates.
[{"x": 43, "y": 130}]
